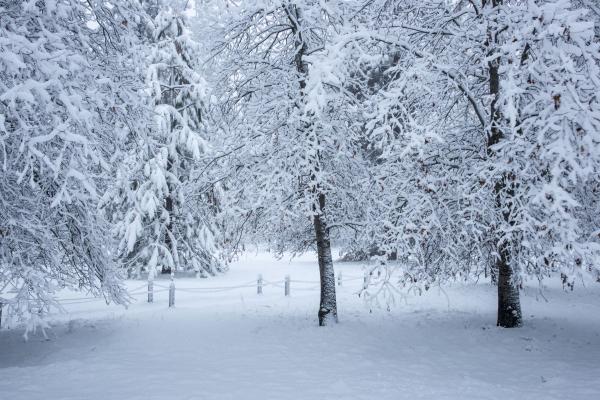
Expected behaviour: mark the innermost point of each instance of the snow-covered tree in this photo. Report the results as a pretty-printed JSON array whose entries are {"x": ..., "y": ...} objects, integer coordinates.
[
  {"x": 64, "y": 87},
  {"x": 293, "y": 169},
  {"x": 165, "y": 218},
  {"x": 510, "y": 89}
]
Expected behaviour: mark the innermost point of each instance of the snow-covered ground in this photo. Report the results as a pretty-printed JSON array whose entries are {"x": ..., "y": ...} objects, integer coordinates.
[{"x": 234, "y": 344}]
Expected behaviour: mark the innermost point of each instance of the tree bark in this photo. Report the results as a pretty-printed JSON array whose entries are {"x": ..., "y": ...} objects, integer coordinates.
[
  {"x": 169, "y": 208},
  {"x": 328, "y": 305},
  {"x": 509, "y": 306}
]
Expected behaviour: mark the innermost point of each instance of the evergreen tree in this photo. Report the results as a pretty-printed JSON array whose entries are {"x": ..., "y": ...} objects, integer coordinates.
[{"x": 166, "y": 220}]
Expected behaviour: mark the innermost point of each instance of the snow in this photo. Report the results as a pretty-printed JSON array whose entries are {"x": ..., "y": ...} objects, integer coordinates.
[{"x": 235, "y": 344}]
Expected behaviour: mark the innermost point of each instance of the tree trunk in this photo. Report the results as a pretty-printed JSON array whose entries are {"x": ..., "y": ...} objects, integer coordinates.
[
  {"x": 509, "y": 304},
  {"x": 169, "y": 208},
  {"x": 168, "y": 241},
  {"x": 328, "y": 306}
]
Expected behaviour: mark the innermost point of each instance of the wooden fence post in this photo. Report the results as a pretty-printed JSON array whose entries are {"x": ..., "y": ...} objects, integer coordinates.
[
  {"x": 287, "y": 285},
  {"x": 150, "y": 291},
  {"x": 340, "y": 278},
  {"x": 365, "y": 280},
  {"x": 172, "y": 294},
  {"x": 259, "y": 284}
]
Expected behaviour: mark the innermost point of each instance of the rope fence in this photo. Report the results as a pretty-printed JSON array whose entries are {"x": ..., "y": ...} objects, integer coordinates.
[
  {"x": 151, "y": 288},
  {"x": 259, "y": 284}
]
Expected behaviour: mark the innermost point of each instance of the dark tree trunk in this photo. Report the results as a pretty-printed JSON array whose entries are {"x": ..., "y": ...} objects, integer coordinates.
[
  {"x": 328, "y": 305},
  {"x": 169, "y": 201},
  {"x": 169, "y": 208},
  {"x": 166, "y": 270},
  {"x": 494, "y": 274},
  {"x": 509, "y": 304},
  {"x": 168, "y": 241}
]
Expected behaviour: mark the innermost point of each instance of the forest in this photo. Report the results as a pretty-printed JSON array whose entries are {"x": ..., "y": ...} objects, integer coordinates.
[{"x": 423, "y": 144}]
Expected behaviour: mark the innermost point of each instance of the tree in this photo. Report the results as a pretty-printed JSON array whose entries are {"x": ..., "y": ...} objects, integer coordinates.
[
  {"x": 64, "y": 89},
  {"x": 547, "y": 149},
  {"x": 293, "y": 177},
  {"x": 508, "y": 100},
  {"x": 164, "y": 219}
]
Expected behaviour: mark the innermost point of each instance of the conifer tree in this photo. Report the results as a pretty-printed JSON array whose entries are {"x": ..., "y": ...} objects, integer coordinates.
[{"x": 166, "y": 221}]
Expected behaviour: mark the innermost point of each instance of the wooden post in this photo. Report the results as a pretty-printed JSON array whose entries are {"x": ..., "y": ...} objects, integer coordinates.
[
  {"x": 287, "y": 285},
  {"x": 150, "y": 291},
  {"x": 259, "y": 284},
  {"x": 365, "y": 280},
  {"x": 172, "y": 294},
  {"x": 340, "y": 278}
]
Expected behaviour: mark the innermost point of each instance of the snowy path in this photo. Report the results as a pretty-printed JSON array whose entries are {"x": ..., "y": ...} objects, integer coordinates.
[{"x": 237, "y": 345}]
